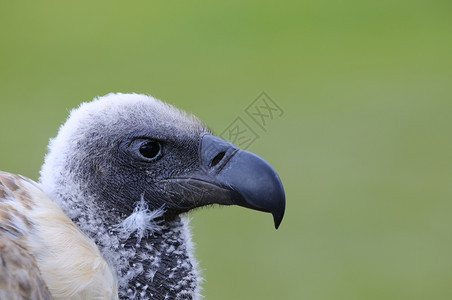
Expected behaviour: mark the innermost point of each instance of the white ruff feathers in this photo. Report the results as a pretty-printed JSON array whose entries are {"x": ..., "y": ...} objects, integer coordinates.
[
  {"x": 142, "y": 221},
  {"x": 168, "y": 248}
]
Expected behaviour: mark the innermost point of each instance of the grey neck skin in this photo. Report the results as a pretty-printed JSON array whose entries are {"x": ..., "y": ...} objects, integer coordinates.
[{"x": 160, "y": 266}]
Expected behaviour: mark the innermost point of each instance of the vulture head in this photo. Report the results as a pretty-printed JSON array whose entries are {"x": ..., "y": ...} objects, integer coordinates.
[{"x": 125, "y": 167}]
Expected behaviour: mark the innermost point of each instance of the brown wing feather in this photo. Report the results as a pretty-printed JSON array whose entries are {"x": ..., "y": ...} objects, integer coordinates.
[
  {"x": 13, "y": 202},
  {"x": 30, "y": 222},
  {"x": 19, "y": 275}
]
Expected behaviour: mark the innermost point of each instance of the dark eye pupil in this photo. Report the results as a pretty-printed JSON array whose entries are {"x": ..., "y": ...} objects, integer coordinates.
[{"x": 150, "y": 149}]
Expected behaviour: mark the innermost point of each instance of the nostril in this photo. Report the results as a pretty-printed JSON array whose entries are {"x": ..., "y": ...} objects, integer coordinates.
[{"x": 217, "y": 158}]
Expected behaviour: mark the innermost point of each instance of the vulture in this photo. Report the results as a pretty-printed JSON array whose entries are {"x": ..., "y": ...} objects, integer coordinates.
[{"x": 107, "y": 218}]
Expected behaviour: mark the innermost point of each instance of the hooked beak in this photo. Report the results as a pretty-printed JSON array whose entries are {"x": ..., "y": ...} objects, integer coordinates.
[
  {"x": 242, "y": 177},
  {"x": 229, "y": 176}
]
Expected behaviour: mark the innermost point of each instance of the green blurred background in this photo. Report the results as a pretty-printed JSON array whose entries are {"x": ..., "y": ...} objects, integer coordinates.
[{"x": 363, "y": 148}]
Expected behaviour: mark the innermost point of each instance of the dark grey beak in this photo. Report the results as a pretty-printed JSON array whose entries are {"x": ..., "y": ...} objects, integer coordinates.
[{"x": 250, "y": 180}]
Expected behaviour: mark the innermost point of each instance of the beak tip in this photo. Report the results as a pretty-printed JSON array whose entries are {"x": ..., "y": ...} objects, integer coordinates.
[
  {"x": 278, "y": 203},
  {"x": 277, "y": 223},
  {"x": 278, "y": 217}
]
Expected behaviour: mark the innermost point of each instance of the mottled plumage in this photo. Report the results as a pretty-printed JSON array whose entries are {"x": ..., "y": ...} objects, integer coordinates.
[
  {"x": 20, "y": 277},
  {"x": 69, "y": 262}
]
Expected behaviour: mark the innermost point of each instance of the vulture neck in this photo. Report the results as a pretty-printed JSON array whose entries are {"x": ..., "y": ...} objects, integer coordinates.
[{"x": 160, "y": 265}]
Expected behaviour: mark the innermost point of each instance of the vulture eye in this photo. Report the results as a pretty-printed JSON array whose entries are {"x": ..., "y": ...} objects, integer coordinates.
[
  {"x": 150, "y": 149},
  {"x": 143, "y": 149}
]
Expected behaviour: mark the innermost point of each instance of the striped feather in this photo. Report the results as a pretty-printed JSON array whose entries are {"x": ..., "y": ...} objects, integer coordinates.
[
  {"x": 20, "y": 277},
  {"x": 70, "y": 263}
]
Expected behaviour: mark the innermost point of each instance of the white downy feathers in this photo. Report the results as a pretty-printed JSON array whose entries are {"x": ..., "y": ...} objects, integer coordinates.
[
  {"x": 73, "y": 265},
  {"x": 113, "y": 107},
  {"x": 142, "y": 222}
]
